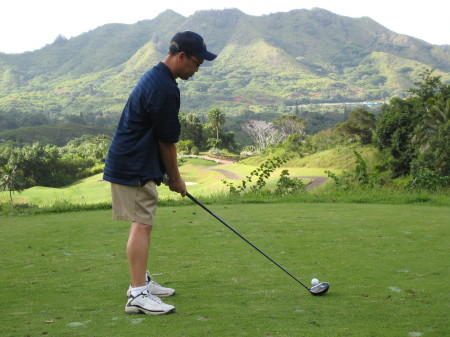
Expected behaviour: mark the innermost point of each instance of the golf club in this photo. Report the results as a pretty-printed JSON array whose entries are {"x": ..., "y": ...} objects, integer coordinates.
[{"x": 319, "y": 289}]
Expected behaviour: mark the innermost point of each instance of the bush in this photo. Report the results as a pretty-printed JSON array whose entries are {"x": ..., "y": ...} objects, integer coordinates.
[
  {"x": 262, "y": 173},
  {"x": 247, "y": 151},
  {"x": 185, "y": 146},
  {"x": 286, "y": 185},
  {"x": 195, "y": 151},
  {"x": 426, "y": 179},
  {"x": 360, "y": 177}
]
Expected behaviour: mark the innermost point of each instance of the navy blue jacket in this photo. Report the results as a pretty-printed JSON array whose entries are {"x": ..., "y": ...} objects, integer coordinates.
[{"x": 150, "y": 115}]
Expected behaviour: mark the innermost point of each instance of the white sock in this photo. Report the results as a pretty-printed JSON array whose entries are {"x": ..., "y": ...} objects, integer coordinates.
[{"x": 137, "y": 291}]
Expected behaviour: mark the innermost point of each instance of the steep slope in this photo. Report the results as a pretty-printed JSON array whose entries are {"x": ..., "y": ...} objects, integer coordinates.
[{"x": 302, "y": 56}]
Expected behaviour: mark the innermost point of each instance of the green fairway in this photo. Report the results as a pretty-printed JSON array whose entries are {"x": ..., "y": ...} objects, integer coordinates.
[
  {"x": 388, "y": 267},
  {"x": 203, "y": 177}
]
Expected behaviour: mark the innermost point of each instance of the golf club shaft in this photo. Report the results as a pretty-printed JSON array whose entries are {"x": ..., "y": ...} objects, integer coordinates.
[{"x": 244, "y": 238}]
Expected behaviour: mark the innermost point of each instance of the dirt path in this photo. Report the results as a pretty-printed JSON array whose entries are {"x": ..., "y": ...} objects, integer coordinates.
[
  {"x": 228, "y": 174},
  {"x": 218, "y": 160},
  {"x": 316, "y": 181}
]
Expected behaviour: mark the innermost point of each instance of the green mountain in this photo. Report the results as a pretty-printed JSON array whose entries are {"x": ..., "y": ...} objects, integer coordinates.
[{"x": 281, "y": 59}]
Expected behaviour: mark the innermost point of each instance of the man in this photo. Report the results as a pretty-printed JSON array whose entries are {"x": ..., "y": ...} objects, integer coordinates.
[{"x": 143, "y": 149}]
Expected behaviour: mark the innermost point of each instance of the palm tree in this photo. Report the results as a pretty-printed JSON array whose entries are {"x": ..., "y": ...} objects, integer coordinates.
[
  {"x": 436, "y": 115},
  {"x": 216, "y": 120},
  {"x": 8, "y": 179}
]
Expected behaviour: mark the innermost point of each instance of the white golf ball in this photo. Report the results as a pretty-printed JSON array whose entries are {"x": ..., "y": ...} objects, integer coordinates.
[{"x": 314, "y": 281}]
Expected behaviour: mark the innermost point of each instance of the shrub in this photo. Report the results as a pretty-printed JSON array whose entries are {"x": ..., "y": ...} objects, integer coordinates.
[
  {"x": 262, "y": 173},
  {"x": 426, "y": 179},
  {"x": 286, "y": 185},
  {"x": 360, "y": 177},
  {"x": 195, "y": 151}
]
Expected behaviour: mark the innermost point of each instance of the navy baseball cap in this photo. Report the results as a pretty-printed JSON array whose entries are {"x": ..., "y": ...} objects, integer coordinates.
[{"x": 191, "y": 43}]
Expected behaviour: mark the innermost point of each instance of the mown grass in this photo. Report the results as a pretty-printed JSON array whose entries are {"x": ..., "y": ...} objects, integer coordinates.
[
  {"x": 66, "y": 274},
  {"x": 204, "y": 178},
  {"x": 338, "y": 159},
  {"x": 85, "y": 191},
  {"x": 321, "y": 195}
]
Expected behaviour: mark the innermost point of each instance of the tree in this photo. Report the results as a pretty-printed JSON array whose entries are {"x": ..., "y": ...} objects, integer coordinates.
[
  {"x": 360, "y": 126},
  {"x": 10, "y": 179},
  {"x": 226, "y": 139},
  {"x": 321, "y": 141},
  {"x": 40, "y": 163},
  {"x": 437, "y": 114},
  {"x": 291, "y": 125},
  {"x": 437, "y": 156},
  {"x": 191, "y": 128},
  {"x": 431, "y": 169},
  {"x": 394, "y": 134},
  {"x": 53, "y": 166},
  {"x": 216, "y": 119},
  {"x": 429, "y": 86},
  {"x": 264, "y": 134},
  {"x": 89, "y": 146},
  {"x": 409, "y": 128}
]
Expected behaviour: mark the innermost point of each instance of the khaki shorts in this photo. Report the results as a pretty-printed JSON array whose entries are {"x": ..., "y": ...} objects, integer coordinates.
[{"x": 135, "y": 203}]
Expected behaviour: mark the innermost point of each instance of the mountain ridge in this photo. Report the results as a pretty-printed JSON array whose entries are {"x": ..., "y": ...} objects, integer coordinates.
[{"x": 296, "y": 57}]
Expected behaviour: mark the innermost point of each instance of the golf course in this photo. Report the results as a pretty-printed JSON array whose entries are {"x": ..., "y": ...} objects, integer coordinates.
[
  {"x": 65, "y": 274},
  {"x": 204, "y": 177},
  {"x": 301, "y": 164}
]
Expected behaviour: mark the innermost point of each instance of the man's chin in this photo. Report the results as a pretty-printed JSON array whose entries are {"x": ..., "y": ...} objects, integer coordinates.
[{"x": 185, "y": 77}]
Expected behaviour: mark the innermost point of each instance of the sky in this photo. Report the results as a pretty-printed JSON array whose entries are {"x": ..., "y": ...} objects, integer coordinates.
[{"x": 27, "y": 25}]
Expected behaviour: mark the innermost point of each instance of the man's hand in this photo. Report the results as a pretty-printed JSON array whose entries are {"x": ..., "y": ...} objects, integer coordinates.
[
  {"x": 168, "y": 153},
  {"x": 178, "y": 186}
]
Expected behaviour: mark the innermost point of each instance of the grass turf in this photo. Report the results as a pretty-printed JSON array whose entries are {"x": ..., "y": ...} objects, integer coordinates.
[
  {"x": 66, "y": 274},
  {"x": 202, "y": 173}
]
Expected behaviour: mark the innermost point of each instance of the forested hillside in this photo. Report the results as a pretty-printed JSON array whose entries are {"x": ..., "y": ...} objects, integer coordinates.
[{"x": 268, "y": 64}]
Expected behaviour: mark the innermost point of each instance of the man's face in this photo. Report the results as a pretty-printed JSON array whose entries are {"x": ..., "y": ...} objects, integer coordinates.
[{"x": 190, "y": 65}]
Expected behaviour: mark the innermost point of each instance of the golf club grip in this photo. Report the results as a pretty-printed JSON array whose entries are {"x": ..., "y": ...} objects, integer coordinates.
[{"x": 244, "y": 238}]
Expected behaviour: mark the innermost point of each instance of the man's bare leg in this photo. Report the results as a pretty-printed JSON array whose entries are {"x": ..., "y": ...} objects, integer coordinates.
[{"x": 137, "y": 252}]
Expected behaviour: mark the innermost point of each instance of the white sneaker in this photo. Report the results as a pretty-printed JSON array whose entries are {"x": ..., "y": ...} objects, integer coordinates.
[
  {"x": 154, "y": 288},
  {"x": 147, "y": 304}
]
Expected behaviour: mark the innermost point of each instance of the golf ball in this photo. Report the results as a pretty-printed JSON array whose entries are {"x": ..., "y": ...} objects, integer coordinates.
[{"x": 314, "y": 281}]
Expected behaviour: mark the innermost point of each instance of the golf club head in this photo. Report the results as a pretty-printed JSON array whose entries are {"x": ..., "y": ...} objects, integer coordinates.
[{"x": 319, "y": 289}]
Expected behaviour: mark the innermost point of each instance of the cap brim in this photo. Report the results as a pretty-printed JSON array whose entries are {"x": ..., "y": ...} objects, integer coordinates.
[{"x": 208, "y": 56}]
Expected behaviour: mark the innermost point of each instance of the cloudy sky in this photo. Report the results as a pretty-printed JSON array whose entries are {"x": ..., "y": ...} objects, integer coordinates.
[{"x": 31, "y": 24}]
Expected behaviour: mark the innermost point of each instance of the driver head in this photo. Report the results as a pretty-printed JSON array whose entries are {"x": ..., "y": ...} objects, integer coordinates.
[{"x": 319, "y": 289}]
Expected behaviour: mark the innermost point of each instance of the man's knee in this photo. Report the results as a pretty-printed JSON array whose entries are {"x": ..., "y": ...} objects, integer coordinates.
[{"x": 141, "y": 228}]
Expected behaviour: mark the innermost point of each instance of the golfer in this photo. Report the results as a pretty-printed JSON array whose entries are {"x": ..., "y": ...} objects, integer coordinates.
[{"x": 143, "y": 149}]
